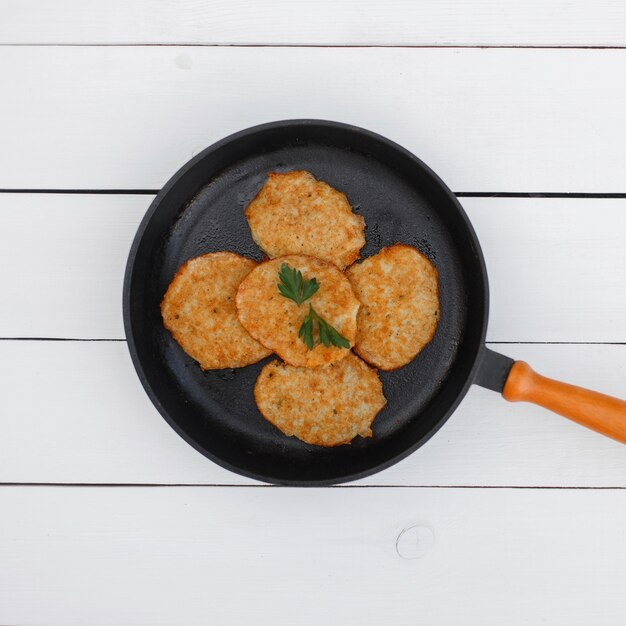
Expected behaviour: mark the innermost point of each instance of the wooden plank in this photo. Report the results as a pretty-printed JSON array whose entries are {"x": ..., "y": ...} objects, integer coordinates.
[
  {"x": 68, "y": 254},
  {"x": 75, "y": 412},
  {"x": 202, "y": 556},
  {"x": 486, "y": 120},
  {"x": 556, "y": 266},
  {"x": 325, "y": 22}
]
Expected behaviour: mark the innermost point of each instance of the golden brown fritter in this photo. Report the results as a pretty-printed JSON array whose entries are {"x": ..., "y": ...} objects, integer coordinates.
[
  {"x": 399, "y": 292},
  {"x": 199, "y": 310},
  {"x": 274, "y": 320},
  {"x": 294, "y": 213},
  {"x": 325, "y": 406}
]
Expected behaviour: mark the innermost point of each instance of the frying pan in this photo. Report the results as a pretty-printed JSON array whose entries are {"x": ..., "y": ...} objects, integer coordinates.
[{"x": 200, "y": 210}]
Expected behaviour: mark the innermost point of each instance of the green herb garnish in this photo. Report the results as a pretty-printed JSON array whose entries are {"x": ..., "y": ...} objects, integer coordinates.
[
  {"x": 293, "y": 286},
  {"x": 327, "y": 334}
]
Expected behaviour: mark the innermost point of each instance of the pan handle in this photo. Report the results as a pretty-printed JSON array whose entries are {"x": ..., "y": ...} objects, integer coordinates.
[
  {"x": 518, "y": 382},
  {"x": 604, "y": 414}
]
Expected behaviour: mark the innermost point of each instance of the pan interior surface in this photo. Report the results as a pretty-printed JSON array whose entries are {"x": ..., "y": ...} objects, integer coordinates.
[{"x": 202, "y": 210}]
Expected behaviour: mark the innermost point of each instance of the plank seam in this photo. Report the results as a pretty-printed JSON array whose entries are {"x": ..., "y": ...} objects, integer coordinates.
[
  {"x": 57, "y": 339},
  {"x": 129, "y": 44},
  {"x": 266, "y": 486},
  {"x": 113, "y": 192}
]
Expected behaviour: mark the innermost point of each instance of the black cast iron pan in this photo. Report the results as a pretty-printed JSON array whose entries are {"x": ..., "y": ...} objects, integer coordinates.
[{"x": 200, "y": 210}]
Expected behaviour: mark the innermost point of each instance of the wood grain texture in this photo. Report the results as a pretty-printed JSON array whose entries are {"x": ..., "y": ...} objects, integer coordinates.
[
  {"x": 324, "y": 22},
  {"x": 485, "y": 120},
  {"x": 75, "y": 412},
  {"x": 242, "y": 556},
  {"x": 556, "y": 266}
]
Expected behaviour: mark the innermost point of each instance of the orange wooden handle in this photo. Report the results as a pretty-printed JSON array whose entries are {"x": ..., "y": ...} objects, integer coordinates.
[{"x": 601, "y": 413}]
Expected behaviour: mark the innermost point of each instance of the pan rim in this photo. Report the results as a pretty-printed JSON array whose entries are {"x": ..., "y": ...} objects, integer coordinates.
[{"x": 136, "y": 360}]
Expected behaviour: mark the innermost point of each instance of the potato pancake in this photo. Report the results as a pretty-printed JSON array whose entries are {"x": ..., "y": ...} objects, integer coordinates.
[
  {"x": 274, "y": 320},
  {"x": 199, "y": 310},
  {"x": 325, "y": 406},
  {"x": 399, "y": 292},
  {"x": 294, "y": 213}
]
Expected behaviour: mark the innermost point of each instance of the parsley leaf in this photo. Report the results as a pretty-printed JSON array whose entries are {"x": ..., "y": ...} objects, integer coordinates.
[
  {"x": 306, "y": 332},
  {"x": 293, "y": 286},
  {"x": 327, "y": 334}
]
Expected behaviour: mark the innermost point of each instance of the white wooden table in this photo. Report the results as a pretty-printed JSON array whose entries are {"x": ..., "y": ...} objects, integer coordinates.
[{"x": 509, "y": 515}]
